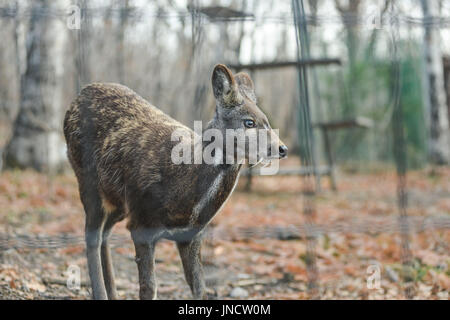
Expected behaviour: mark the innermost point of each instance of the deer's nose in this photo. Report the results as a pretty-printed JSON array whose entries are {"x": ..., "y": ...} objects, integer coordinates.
[{"x": 283, "y": 151}]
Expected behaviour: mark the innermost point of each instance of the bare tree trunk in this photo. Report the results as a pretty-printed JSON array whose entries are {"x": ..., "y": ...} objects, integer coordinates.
[
  {"x": 124, "y": 10},
  {"x": 369, "y": 51},
  {"x": 37, "y": 141},
  {"x": 313, "y": 8},
  {"x": 447, "y": 82},
  {"x": 434, "y": 90},
  {"x": 18, "y": 46},
  {"x": 83, "y": 47},
  {"x": 350, "y": 15},
  {"x": 238, "y": 47}
]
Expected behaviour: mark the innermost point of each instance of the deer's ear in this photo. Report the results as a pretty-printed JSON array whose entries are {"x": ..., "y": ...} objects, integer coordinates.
[
  {"x": 223, "y": 83},
  {"x": 243, "y": 79},
  {"x": 246, "y": 85}
]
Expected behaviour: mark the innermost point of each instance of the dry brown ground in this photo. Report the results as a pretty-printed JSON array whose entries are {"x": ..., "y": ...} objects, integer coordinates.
[{"x": 32, "y": 204}]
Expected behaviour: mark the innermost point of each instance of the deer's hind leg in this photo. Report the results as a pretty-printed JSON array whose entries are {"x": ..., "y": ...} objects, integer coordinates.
[
  {"x": 95, "y": 221},
  {"x": 114, "y": 215}
]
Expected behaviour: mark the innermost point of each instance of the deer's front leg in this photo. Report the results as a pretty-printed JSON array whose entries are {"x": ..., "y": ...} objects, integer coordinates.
[
  {"x": 145, "y": 259},
  {"x": 191, "y": 259}
]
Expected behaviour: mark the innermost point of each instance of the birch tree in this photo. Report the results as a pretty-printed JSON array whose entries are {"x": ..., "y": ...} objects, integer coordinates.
[
  {"x": 37, "y": 141},
  {"x": 434, "y": 89}
]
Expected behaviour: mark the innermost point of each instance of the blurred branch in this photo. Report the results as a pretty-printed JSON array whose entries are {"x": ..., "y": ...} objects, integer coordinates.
[
  {"x": 284, "y": 64},
  {"x": 219, "y": 12}
]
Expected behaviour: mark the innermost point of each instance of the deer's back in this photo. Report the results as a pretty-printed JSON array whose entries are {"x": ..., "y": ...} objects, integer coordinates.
[{"x": 118, "y": 134}]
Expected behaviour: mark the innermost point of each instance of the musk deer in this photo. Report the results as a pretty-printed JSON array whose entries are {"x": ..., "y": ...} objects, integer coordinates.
[{"x": 119, "y": 146}]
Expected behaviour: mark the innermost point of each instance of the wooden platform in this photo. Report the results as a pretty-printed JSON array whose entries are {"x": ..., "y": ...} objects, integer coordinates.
[{"x": 329, "y": 169}]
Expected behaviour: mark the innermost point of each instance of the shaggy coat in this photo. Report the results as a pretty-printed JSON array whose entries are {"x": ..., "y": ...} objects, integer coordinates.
[{"x": 120, "y": 148}]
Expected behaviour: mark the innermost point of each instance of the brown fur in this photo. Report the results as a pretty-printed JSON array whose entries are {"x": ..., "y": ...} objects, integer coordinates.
[{"x": 120, "y": 149}]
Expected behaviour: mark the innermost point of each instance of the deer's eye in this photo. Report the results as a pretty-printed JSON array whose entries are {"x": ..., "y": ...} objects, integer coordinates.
[{"x": 249, "y": 123}]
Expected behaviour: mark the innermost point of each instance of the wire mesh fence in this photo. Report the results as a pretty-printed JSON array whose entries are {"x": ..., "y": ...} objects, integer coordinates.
[
  {"x": 138, "y": 14},
  {"x": 372, "y": 227},
  {"x": 400, "y": 223}
]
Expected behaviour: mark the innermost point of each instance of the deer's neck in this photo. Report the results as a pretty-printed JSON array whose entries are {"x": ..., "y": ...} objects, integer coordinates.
[
  {"x": 216, "y": 183},
  {"x": 219, "y": 154}
]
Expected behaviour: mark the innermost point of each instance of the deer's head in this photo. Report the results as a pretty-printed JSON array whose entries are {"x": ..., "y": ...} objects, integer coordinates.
[{"x": 237, "y": 111}]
